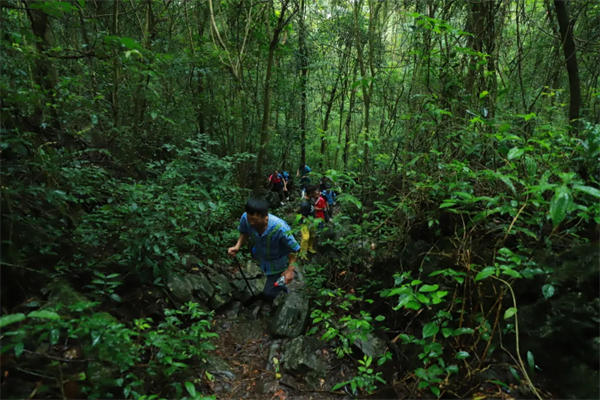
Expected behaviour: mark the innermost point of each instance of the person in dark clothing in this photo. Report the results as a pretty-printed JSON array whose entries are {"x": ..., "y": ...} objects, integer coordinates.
[
  {"x": 274, "y": 244},
  {"x": 278, "y": 184},
  {"x": 303, "y": 171}
]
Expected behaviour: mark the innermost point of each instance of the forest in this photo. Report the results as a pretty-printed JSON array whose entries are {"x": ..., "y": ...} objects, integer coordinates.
[{"x": 462, "y": 141}]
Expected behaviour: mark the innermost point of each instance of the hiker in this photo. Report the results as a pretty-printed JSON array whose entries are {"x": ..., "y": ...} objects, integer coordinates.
[
  {"x": 303, "y": 172},
  {"x": 278, "y": 185},
  {"x": 274, "y": 244},
  {"x": 287, "y": 184},
  {"x": 321, "y": 209},
  {"x": 307, "y": 210},
  {"x": 330, "y": 197}
]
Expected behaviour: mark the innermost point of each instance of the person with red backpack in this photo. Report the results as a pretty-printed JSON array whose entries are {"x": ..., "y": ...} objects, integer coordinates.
[{"x": 278, "y": 184}]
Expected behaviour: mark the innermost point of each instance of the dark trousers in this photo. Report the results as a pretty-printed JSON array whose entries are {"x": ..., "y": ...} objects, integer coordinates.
[
  {"x": 278, "y": 187},
  {"x": 271, "y": 291}
]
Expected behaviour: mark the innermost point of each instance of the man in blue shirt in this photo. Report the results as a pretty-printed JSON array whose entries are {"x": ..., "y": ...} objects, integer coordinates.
[
  {"x": 303, "y": 172},
  {"x": 274, "y": 244}
]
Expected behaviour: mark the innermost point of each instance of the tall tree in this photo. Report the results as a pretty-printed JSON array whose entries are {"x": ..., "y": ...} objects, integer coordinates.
[{"x": 568, "y": 43}]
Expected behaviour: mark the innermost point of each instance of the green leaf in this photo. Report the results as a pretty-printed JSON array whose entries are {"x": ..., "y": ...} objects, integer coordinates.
[
  {"x": 428, "y": 288},
  {"x": 587, "y": 189},
  {"x": 548, "y": 291},
  {"x": 530, "y": 361},
  {"x": 11, "y": 319},
  {"x": 510, "y": 312},
  {"x": 560, "y": 204},
  {"x": 115, "y": 297},
  {"x": 487, "y": 271},
  {"x": 452, "y": 369},
  {"x": 130, "y": 43},
  {"x": 511, "y": 272},
  {"x": 435, "y": 390},
  {"x": 421, "y": 373},
  {"x": 515, "y": 152},
  {"x": 446, "y": 205},
  {"x": 19, "y": 349},
  {"x": 430, "y": 329},
  {"x": 44, "y": 314},
  {"x": 462, "y": 331},
  {"x": 461, "y": 355},
  {"x": 514, "y": 373},
  {"x": 379, "y": 318},
  {"x": 339, "y": 386},
  {"x": 481, "y": 96},
  {"x": 189, "y": 386}
]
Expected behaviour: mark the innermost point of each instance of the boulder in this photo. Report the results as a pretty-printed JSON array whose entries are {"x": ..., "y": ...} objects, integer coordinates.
[
  {"x": 179, "y": 286},
  {"x": 291, "y": 314},
  {"x": 223, "y": 291},
  {"x": 256, "y": 281},
  {"x": 300, "y": 357},
  {"x": 371, "y": 346},
  {"x": 201, "y": 286},
  {"x": 217, "y": 366}
]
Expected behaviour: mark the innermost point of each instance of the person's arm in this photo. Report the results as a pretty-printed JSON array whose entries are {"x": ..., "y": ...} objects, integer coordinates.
[
  {"x": 289, "y": 272},
  {"x": 240, "y": 242},
  {"x": 297, "y": 172}
]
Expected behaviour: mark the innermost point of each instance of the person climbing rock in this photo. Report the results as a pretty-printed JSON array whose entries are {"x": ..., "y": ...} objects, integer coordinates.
[
  {"x": 303, "y": 172},
  {"x": 278, "y": 184},
  {"x": 274, "y": 244},
  {"x": 307, "y": 210},
  {"x": 287, "y": 185}
]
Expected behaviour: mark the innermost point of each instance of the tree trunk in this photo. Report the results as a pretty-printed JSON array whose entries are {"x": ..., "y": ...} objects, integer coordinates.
[
  {"x": 303, "y": 79},
  {"x": 566, "y": 33},
  {"x": 44, "y": 72},
  {"x": 264, "y": 130}
]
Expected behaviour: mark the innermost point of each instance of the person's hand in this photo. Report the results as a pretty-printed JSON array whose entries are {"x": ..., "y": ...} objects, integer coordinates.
[
  {"x": 288, "y": 274},
  {"x": 232, "y": 251}
]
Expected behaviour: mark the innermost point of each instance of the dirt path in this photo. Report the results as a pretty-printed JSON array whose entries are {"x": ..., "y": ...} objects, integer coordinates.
[{"x": 246, "y": 349}]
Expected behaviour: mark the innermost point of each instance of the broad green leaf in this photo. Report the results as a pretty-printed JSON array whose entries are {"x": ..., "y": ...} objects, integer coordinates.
[
  {"x": 44, "y": 314},
  {"x": 462, "y": 331},
  {"x": 515, "y": 152},
  {"x": 548, "y": 291},
  {"x": 11, "y": 319},
  {"x": 421, "y": 373},
  {"x": 487, "y": 271},
  {"x": 510, "y": 312},
  {"x": 189, "y": 386},
  {"x": 560, "y": 204},
  {"x": 481, "y": 96},
  {"x": 428, "y": 288},
  {"x": 588, "y": 189},
  {"x": 435, "y": 391},
  {"x": 461, "y": 355},
  {"x": 452, "y": 369},
  {"x": 511, "y": 272},
  {"x": 430, "y": 329}
]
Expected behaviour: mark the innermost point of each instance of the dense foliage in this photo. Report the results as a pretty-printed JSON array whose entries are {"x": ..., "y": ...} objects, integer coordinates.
[{"x": 463, "y": 137}]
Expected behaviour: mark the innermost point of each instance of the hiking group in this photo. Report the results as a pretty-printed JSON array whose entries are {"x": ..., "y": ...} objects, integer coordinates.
[{"x": 274, "y": 245}]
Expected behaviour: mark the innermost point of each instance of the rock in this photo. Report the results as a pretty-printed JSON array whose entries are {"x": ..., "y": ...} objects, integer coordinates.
[
  {"x": 274, "y": 351},
  {"x": 201, "y": 286},
  {"x": 217, "y": 366},
  {"x": 60, "y": 292},
  {"x": 300, "y": 357},
  {"x": 291, "y": 314},
  {"x": 256, "y": 280},
  {"x": 179, "y": 287},
  {"x": 223, "y": 291},
  {"x": 372, "y": 346}
]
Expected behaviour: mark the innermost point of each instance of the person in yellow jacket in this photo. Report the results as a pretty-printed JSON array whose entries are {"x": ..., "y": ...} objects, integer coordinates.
[{"x": 307, "y": 210}]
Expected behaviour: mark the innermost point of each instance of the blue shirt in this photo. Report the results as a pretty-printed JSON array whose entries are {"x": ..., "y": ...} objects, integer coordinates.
[
  {"x": 329, "y": 196},
  {"x": 305, "y": 170},
  {"x": 273, "y": 246}
]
